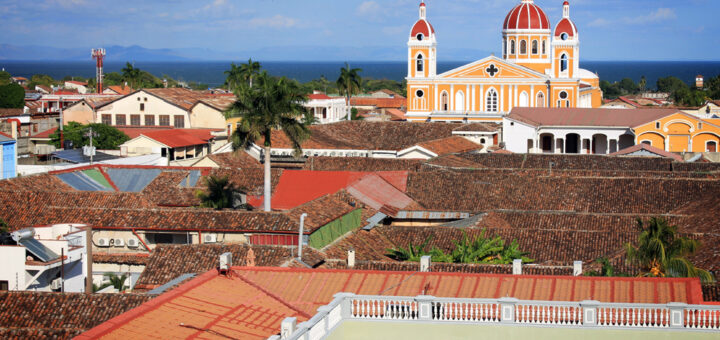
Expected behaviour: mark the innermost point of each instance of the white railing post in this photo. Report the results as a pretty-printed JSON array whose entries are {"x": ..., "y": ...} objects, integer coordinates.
[
  {"x": 507, "y": 309},
  {"x": 589, "y": 312},
  {"x": 425, "y": 263},
  {"x": 345, "y": 304},
  {"x": 677, "y": 314},
  {"x": 287, "y": 327},
  {"x": 577, "y": 268},
  {"x": 517, "y": 267},
  {"x": 425, "y": 306},
  {"x": 325, "y": 321}
]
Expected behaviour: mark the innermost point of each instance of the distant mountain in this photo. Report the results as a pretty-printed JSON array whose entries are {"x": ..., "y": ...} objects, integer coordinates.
[{"x": 276, "y": 53}]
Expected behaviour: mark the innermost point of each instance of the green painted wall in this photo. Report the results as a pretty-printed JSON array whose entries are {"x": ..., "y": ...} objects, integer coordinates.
[
  {"x": 331, "y": 231},
  {"x": 383, "y": 330}
]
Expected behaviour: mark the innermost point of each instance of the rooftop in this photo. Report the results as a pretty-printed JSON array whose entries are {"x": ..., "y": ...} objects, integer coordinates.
[{"x": 586, "y": 117}]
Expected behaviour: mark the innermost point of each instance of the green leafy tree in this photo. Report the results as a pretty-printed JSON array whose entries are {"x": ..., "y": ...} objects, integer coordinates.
[
  {"x": 670, "y": 84},
  {"x": 414, "y": 253},
  {"x": 689, "y": 97},
  {"x": 348, "y": 84},
  {"x": 271, "y": 105},
  {"x": 41, "y": 79},
  {"x": 606, "y": 269},
  {"x": 12, "y": 96},
  {"x": 219, "y": 195},
  {"x": 628, "y": 86},
  {"x": 132, "y": 75},
  {"x": 233, "y": 77},
  {"x": 117, "y": 282},
  {"x": 105, "y": 137},
  {"x": 642, "y": 85},
  {"x": 660, "y": 252},
  {"x": 355, "y": 115},
  {"x": 5, "y": 77}
]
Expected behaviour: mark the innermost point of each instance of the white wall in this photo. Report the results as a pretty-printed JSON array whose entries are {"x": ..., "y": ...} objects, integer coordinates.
[
  {"x": 516, "y": 134},
  {"x": 13, "y": 266},
  {"x": 154, "y": 106}
]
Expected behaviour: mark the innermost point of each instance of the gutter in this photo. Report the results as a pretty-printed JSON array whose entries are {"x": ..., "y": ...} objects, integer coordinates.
[{"x": 141, "y": 240}]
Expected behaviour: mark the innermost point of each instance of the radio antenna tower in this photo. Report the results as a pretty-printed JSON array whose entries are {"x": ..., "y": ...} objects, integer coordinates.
[{"x": 99, "y": 55}]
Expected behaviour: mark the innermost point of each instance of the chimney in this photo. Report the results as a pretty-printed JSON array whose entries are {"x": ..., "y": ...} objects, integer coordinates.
[
  {"x": 250, "y": 258},
  {"x": 517, "y": 267},
  {"x": 351, "y": 258},
  {"x": 425, "y": 263},
  {"x": 577, "y": 268},
  {"x": 287, "y": 327},
  {"x": 14, "y": 128},
  {"x": 225, "y": 261}
]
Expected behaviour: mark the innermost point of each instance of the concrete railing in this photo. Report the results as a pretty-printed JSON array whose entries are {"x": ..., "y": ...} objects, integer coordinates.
[{"x": 508, "y": 311}]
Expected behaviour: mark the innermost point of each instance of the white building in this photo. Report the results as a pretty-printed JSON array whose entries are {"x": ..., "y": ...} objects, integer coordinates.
[
  {"x": 326, "y": 109},
  {"x": 80, "y": 86},
  {"x": 52, "y": 258},
  {"x": 574, "y": 131}
]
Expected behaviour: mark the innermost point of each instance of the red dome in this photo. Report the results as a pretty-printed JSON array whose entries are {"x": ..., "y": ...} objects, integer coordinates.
[
  {"x": 526, "y": 15},
  {"x": 422, "y": 26},
  {"x": 566, "y": 26}
]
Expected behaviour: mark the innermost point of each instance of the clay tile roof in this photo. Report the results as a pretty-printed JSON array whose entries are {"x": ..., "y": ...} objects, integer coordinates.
[
  {"x": 59, "y": 316},
  {"x": 10, "y": 112},
  {"x": 648, "y": 148},
  {"x": 454, "y": 144},
  {"x": 479, "y": 127},
  {"x": 235, "y": 160},
  {"x": 44, "y": 134},
  {"x": 323, "y": 210},
  {"x": 76, "y": 82},
  {"x": 139, "y": 259},
  {"x": 361, "y": 164},
  {"x": 586, "y": 117},
  {"x": 122, "y": 90},
  {"x": 318, "y": 96},
  {"x": 375, "y": 192},
  {"x": 381, "y": 103}
]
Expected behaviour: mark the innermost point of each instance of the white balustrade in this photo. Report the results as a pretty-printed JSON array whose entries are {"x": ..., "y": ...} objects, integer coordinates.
[{"x": 586, "y": 314}]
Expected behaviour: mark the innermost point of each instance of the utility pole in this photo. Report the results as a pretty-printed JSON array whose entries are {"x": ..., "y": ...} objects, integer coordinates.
[
  {"x": 62, "y": 137},
  {"x": 91, "y": 150}
]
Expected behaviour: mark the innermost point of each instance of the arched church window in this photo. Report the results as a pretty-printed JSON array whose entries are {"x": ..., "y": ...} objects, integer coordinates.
[
  {"x": 524, "y": 100},
  {"x": 540, "y": 100},
  {"x": 544, "y": 50},
  {"x": 420, "y": 63},
  {"x": 523, "y": 47},
  {"x": 563, "y": 63},
  {"x": 491, "y": 103},
  {"x": 512, "y": 47},
  {"x": 444, "y": 101},
  {"x": 534, "y": 47}
]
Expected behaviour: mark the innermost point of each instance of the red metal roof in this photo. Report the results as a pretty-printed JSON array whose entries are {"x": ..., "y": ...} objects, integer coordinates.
[
  {"x": 176, "y": 138},
  {"x": 44, "y": 134},
  {"x": 375, "y": 192},
  {"x": 526, "y": 15},
  {"x": 297, "y": 187},
  {"x": 648, "y": 148},
  {"x": 318, "y": 96},
  {"x": 565, "y": 26},
  {"x": 587, "y": 117},
  {"x": 422, "y": 26}
]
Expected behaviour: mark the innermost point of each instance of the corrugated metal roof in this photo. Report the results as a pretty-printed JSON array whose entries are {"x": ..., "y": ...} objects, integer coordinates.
[
  {"x": 191, "y": 180},
  {"x": 80, "y": 181},
  {"x": 132, "y": 180},
  {"x": 374, "y": 220}
]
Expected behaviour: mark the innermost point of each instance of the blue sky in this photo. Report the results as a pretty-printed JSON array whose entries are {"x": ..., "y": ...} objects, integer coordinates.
[{"x": 359, "y": 29}]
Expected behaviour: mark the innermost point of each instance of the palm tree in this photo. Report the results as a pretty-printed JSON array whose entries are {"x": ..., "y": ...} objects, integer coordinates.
[
  {"x": 250, "y": 70},
  {"x": 348, "y": 84},
  {"x": 219, "y": 195},
  {"x": 269, "y": 106},
  {"x": 234, "y": 77},
  {"x": 660, "y": 252},
  {"x": 131, "y": 75}
]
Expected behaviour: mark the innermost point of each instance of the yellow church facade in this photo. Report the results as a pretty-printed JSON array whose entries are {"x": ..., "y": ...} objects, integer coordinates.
[{"x": 539, "y": 68}]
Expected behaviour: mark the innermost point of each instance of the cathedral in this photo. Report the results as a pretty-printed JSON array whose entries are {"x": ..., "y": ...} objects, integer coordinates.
[{"x": 539, "y": 67}]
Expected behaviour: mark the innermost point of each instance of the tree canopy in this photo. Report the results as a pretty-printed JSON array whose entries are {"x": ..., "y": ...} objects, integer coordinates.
[
  {"x": 348, "y": 84},
  {"x": 5, "y": 77},
  {"x": 12, "y": 96},
  {"x": 220, "y": 193},
  {"x": 105, "y": 137},
  {"x": 660, "y": 252}
]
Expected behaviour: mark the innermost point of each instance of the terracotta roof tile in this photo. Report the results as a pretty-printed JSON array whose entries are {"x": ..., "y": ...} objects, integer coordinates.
[
  {"x": 586, "y": 117},
  {"x": 648, "y": 148},
  {"x": 136, "y": 259},
  {"x": 363, "y": 164},
  {"x": 236, "y": 160},
  {"x": 450, "y": 145}
]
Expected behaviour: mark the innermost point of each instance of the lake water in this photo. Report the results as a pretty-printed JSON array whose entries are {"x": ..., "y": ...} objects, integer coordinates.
[{"x": 212, "y": 72}]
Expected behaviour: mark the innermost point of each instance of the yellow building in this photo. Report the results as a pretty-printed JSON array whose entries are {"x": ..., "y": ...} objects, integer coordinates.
[
  {"x": 540, "y": 67},
  {"x": 681, "y": 132}
]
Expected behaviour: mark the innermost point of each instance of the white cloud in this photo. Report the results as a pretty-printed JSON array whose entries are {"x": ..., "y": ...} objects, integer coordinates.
[
  {"x": 599, "y": 22},
  {"x": 66, "y": 3},
  {"x": 659, "y": 14},
  {"x": 278, "y": 21},
  {"x": 368, "y": 8},
  {"x": 215, "y": 4}
]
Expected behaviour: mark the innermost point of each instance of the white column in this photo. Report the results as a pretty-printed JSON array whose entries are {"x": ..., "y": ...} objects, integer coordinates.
[
  {"x": 410, "y": 62},
  {"x": 510, "y": 98},
  {"x": 515, "y": 96},
  {"x": 473, "y": 89},
  {"x": 532, "y": 95},
  {"x": 482, "y": 96},
  {"x": 437, "y": 104},
  {"x": 502, "y": 98},
  {"x": 467, "y": 98},
  {"x": 451, "y": 98}
]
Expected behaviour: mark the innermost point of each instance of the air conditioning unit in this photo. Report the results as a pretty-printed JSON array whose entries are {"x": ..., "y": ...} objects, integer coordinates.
[
  {"x": 132, "y": 243},
  {"x": 56, "y": 284},
  {"x": 119, "y": 242},
  {"x": 103, "y": 242},
  {"x": 209, "y": 238}
]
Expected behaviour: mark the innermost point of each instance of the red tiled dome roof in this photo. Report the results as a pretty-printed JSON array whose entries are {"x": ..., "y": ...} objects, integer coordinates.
[
  {"x": 566, "y": 26},
  {"x": 422, "y": 26},
  {"x": 526, "y": 15}
]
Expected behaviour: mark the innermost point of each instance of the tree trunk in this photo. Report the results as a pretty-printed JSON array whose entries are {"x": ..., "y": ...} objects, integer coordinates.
[{"x": 268, "y": 183}]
